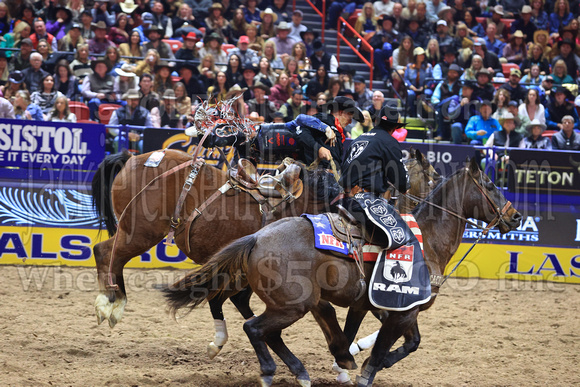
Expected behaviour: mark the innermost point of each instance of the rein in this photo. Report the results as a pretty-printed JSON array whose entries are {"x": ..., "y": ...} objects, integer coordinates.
[{"x": 439, "y": 280}]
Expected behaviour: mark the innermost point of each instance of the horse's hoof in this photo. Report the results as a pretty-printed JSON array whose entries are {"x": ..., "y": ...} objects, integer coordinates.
[
  {"x": 117, "y": 312},
  {"x": 343, "y": 376},
  {"x": 103, "y": 308},
  {"x": 304, "y": 382},
  {"x": 266, "y": 381},
  {"x": 112, "y": 322},
  {"x": 213, "y": 350}
]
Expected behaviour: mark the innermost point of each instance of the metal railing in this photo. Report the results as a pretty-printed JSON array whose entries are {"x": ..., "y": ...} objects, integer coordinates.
[
  {"x": 364, "y": 43},
  {"x": 320, "y": 13}
]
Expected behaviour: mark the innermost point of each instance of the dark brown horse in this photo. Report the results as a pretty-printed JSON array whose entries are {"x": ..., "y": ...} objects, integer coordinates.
[
  {"x": 145, "y": 212},
  {"x": 292, "y": 278}
]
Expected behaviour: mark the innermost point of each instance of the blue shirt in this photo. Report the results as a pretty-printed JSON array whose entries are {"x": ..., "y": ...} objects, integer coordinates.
[
  {"x": 436, "y": 97},
  {"x": 35, "y": 113},
  {"x": 496, "y": 47},
  {"x": 556, "y": 22},
  {"x": 476, "y": 123}
]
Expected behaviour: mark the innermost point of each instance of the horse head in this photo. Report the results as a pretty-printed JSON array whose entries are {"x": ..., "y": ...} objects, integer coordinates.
[
  {"x": 422, "y": 176},
  {"x": 484, "y": 201}
]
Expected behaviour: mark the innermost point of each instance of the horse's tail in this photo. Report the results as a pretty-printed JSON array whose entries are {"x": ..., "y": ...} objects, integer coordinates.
[
  {"x": 102, "y": 184},
  {"x": 224, "y": 272}
]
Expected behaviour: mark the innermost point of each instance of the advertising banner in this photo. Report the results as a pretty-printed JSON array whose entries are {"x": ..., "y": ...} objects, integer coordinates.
[
  {"x": 49, "y": 150},
  {"x": 555, "y": 172},
  {"x": 446, "y": 159}
]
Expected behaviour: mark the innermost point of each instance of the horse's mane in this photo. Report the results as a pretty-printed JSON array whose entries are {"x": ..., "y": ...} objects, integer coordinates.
[{"x": 435, "y": 195}]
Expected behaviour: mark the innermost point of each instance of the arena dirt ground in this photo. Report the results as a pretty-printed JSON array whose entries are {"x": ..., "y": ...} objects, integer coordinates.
[{"x": 478, "y": 333}]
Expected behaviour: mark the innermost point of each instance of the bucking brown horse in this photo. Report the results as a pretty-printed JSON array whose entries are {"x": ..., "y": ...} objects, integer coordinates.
[{"x": 293, "y": 278}]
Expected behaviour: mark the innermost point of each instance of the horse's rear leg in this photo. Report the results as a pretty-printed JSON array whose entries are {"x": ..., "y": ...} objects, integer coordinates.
[
  {"x": 242, "y": 302},
  {"x": 267, "y": 327},
  {"x": 111, "y": 301}
]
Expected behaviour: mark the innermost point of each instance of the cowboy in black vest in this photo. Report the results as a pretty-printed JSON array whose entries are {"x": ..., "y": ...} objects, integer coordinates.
[
  {"x": 99, "y": 87},
  {"x": 321, "y": 57},
  {"x": 445, "y": 90},
  {"x": 507, "y": 137},
  {"x": 560, "y": 107},
  {"x": 170, "y": 117}
]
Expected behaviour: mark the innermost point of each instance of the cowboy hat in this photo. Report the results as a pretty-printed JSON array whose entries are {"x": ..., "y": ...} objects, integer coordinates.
[
  {"x": 164, "y": 64},
  {"x": 101, "y": 25},
  {"x": 517, "y": 34},
  {"x": 498, "y": 9},
  {"x": 234, "y": 91},
  {"x": 216, "y": 6},
  {"x": 484, "y": 71},
  {"x": 260, "y": 85},
  {"x": 541, "y": 32},
  {"x": 505, "y": 117},
  {"x": 128, "y": 6},
  {"x": 153, "y": 28},
  {"x": 68, "y": 11},
  {"x": 95, "y": 62},
  {"x": 535, "y": 122},
  {"x": 131, "y": 94},
  {"x": 127, "y": 70},
  {"x": 347, "y": 105},
  {"x": 213, "y": 36},
  {"x": 386, "y": 119},
  {"x": 268, "y": 11},
  {"x": 308, "y": 31},
  {"x": 283, "y": 26},
  {"x": 566, "y": 41},
  {"x": 169, "y": 94},
  {"x": 443, "y": 10}
]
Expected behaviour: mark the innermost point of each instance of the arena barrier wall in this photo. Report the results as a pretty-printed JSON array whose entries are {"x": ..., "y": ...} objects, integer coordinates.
[{"x": 44, "y": 221}]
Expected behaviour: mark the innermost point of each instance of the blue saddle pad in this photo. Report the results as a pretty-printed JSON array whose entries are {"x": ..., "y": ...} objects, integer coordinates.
[{"x": 323, "y": 237}]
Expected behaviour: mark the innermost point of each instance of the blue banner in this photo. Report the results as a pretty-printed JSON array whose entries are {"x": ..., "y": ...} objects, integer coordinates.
[{"x": 50, "y": 150}]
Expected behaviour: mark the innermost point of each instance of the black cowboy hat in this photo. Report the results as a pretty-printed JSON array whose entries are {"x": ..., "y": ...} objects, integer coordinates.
[
  {"x": 346, "y": 69},
  {"x": 260, "y": 85},
  {"x": 153, "y": 28},
  {"x": 100, "y": 59},
  {"x": 344, "y": 92},
  {"x": 317, "y": 45},
  {"x": 567, "y": 41},
  {"x": 164, "y": 64},
  {"x": 213, "y": 36},
  {"x": 249, "y": 65},
  {"x": 16, "y": 77},
  {"x": 347, "y": 105},
  {"x": 309, "y": 30},
  {"x": 68, "y": 11},
  {"x": 387, "y": 17},
  {"x": 447, "y": 49},
  {"x": 389, "y": 118},
  {"x": 188, "y": 65},
  {"x": 567, "y": 93},
  {"x": 4, "y": 54}
]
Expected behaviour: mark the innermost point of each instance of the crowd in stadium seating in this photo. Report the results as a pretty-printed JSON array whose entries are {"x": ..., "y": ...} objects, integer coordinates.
[{"x": 492, "y": 72}]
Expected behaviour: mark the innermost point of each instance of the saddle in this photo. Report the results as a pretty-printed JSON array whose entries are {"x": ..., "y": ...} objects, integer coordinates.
[
  {"x": 285, "y": 184},
  {"x": 344, "y": 226}
]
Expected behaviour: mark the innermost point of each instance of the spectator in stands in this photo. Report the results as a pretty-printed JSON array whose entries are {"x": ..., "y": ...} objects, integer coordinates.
[
  {"x": 364, "y": 98},
  {"x": 560, "y": 73},
  {"x": 234, "y": 70},
  {"x": 182, "y": 100},
  {"x": 517, "y": 91},
  {"x": 292, "y": 69},
  {"x": 561, "y": 16},
  {"x": 296, "y": 26},
  {"x": 132, "y": 48},
  {"x": 483, "y": 89},
  {"x": 72, "y": 39},
  {"x": 218, "y": 91},
  {"x": 321, "y": 57},
  {"x": 15, "y": 83},
  {"x": 207, "y": 71},
  {"x": 238, "y": 26},
  {"x": 446, "y": 14},
  {"x": 492, "y": 43},
  {"x": 61, "y": 24},
  {"x": 281, "y": 91},
  {"x": 536, "y": 56},
  {"x": 532, "y": 109},
  {"x": 161, "y": 20},
  {"x": 474, "y": 28},
  {"x": 260, "y": 104},
  {"x": 525, "y": 24},
  {"x": 308, "y": 38},
  {"x": 293, "y": 107},
  {"x": 5, "y": 19},
  {"x": 267, "y": 28},
  {"x": 146, "y": 22},
  {"x": 463, "y": 36},
  {"x": 279, "y": 6},
  {"x": 4, "y": 72},
  {"x": 6, "y": 109},
  {"x": 319, "y": 83},
  {"x": 148, "y": 99},
  {"x": 190, "y": 78},
  {"x": 98, "y": 87},
  {"x": 566, "y": 48},
  {"x": 147, "y": 65},
  {"x": 460, "y": 110},
  {"x": 243, "y": 51},
  {"x": 440, "y": 99},
  {"x": 440, "y": 69},
  {"x": 383, "y": 7},
  {"x": 567, "y": 138},
  {"x": 336, "y": 9},
  {"x": 81, "y": 65},
  {"x": 415, "y": 76},
  {"x": 418, "y": 35},
  {"x": 102, "y": 13},
  {"x": 378, "y": 102},
  {"x": 479, "y": 128},
  {"x": 362, "y": 127},
  {"x": 252, "y": 13},
  {"x": 433, "y": 55},
  {"x": 212, "y": 45},
  {"x": 40, "y": 33},
  {"x": 133, "y": 113},
  {"x": 490, "y": 60},
  {"x": 61, "y": 111},
  {"x": 162, "y": 77},
  {"x": 125, "y": 79},
  {"x": 533, "y": 79},
  {"x": 76, "y": 7},
  {"x": 169, "y": 115},
  {"x": 249, "y": 71},
  {"x": 299, "y": 54},
  {"x": 253, "y": 36},
  {"x": 87, "y": 25},
  {"x": 21, "y": 59},
  {"x": 535, "y": 140},
  {"x": 48, "y": 58},
  {"x": 433, "y": 9},
  {"x": 271, "y": 53},
  {"x": 515, "y": 51},
  {"x": 346, "y": 77},
  {"x": 424, "y": 22},
  {"x": 120, "y": 31},
  {"x": 520, "y": 122},
  {"x": 34, "y": 74},
  {"x": 215, "y": 22},
  {"x": 24, "y": 109},
  {"x": 500, "y": 103},
  {"x": 443, "y": 37},
  {"x": 540, "y": 17},
  {"x": 113, "y": 59},
  {"x": 189, "y": 49},
  {"x": 153, "y": 33},
  {"x": 100, "y": 43},
  {"x": 505, "y": 138},
  {"x": 183, "y": 19},
  {"x": 560, "y": 107},
  {"x": 283, "y": 42},
  {"x": 366, "y": 21},
  {"x": 46, "y": 96},
  {"x": 334, "y": 88},
  {"x": 21, "y": 31},
  {"x": 501, "y": 30}
]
